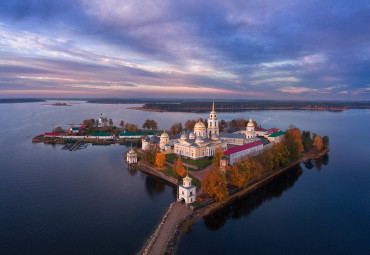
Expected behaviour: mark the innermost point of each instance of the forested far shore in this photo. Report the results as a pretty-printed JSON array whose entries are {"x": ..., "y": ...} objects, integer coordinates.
[
  {"x": 20, "y": 100},
  {"x": 229, "y": 106}
]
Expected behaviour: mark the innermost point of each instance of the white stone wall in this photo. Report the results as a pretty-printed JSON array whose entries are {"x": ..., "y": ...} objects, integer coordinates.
[{"x": 240, "y": 154}]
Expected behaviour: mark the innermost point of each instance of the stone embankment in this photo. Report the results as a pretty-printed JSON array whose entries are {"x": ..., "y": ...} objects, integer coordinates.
[
  {"x": 145, "y": 168},
  {"x": 165, "y": 236}
]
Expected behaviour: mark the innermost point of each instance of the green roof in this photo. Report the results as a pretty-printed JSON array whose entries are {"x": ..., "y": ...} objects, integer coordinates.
[
  {"x": 101, "y": 134},
  {"x": 279, "y": 133},
  {"x": 136, "y": 133},
  {"x": 75, "y": 128}
]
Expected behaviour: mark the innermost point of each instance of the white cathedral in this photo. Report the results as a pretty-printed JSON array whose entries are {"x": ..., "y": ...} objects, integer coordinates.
[{"x": 202, "y": 142}]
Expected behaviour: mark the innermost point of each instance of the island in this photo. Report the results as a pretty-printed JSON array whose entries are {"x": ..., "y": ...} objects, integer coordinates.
[{"x": 212, "y": 162}]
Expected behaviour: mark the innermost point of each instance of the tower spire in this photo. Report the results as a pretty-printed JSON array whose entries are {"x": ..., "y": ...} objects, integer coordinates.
[{"x": 213, "y": 105}]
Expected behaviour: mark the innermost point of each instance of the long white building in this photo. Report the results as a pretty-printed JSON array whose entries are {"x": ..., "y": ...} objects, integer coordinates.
[{"x": 239, "y": 152}]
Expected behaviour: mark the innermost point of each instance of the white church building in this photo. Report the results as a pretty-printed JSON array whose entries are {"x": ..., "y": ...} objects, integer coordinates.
[{"x": 187, "y": 192}]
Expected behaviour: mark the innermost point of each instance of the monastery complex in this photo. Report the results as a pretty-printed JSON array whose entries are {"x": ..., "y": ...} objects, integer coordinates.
[{"x": 203, "y": 141}]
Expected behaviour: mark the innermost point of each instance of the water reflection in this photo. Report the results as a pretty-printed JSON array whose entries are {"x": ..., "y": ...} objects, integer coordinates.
[
  {"x": 132, "y": 170},
  {"x": 154, "y": 185},
  {"x": 249, "y": 203},
  {"x": 317, "y": 163}
]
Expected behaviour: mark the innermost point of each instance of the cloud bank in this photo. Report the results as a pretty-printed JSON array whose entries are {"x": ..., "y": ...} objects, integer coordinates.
[{"x": 222, "y": 49}]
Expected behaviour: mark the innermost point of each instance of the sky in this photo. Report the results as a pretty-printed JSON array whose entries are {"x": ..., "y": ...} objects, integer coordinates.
[{"x": 265, "y": 49}]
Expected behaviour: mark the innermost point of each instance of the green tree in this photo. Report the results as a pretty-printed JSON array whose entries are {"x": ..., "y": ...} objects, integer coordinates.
[{"x": 325, "y": 141}]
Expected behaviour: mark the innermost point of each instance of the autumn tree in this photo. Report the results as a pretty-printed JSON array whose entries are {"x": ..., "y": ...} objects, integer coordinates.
[
  {"x": 325, "y": 141},
  {"x": 235, "y": 176},
  {"x": 189, "y": 125},
  {"x": 151, "y": 153},
  {"x": 89, "y": 123},
  {"x": 215, "y": 184},
  {"x": 280, "y": 155},
  {"x": 293, "y": 141},
  {"x": 150, "y": 124},
  {"x": 217, "y": 156},
  {"x": 176, "y": 128},
  {"x": 58, "y": 129},
  {"x": 222, "y": 125},
  {"x": 160, "y": 159},
  {"x": 240, "y": 123},
  {"x": 180, "y": 170},
  {"x": 122, "y": 123},
  {"x": 318, "y": 143},
  {"x": 174, "y": 167}
]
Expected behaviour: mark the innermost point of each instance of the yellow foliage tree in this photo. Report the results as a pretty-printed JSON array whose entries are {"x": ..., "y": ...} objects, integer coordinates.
[
  {"x": 293, "y": 141},
  {"x": 318, "y": 143},
  {"x": 160, "y": 159},
  {"x": 215, "y": 184},
  {"x": 236, "y": 177}
]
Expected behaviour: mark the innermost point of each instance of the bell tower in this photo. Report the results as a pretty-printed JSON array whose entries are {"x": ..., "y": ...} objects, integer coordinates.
[{"x": 212, "y": 123}]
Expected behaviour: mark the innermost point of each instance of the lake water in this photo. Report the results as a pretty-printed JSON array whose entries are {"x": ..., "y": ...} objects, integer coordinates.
[{"x": 60, "y": 202}]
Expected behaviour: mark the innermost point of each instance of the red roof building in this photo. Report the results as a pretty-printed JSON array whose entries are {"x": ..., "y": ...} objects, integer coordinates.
[
  {"x": 273, "y": 130},
  {"x": 243, "y": 150},
  {"x": 52, "y": 135},
  {"x": 242, "y": 147}
]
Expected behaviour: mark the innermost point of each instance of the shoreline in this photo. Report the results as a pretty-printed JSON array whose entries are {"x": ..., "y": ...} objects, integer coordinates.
[
  {"x": 188, "y": 222},
  {"x": 237, "y": 109}
]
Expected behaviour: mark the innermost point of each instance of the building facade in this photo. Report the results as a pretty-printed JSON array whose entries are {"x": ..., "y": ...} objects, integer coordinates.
[
  {"x": 276, "y": 137},
  {"x": 202, "y": 142},
  {"x": 212, "y": 123},
  {"x": 250, "y": 129},
  {"x": 187, "y": 192},
  {"x": 249, "y": 149},
  {"x": 131, "y": 157}
]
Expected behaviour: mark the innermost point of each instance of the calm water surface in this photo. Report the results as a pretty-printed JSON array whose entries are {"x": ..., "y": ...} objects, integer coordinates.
[{"x": 61, "y": 202}]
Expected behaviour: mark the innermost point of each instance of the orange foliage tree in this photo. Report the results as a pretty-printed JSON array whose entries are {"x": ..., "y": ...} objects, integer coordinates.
[
  {"x": 318, "y": 143},
  {"x": 180, "y": 170},
  {"x": 215, "y": 184},
  {"x": 160, "y": 159}
]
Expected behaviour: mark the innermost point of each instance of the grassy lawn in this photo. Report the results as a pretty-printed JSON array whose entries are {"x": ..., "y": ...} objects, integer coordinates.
[{"x": 198, "y": 162}]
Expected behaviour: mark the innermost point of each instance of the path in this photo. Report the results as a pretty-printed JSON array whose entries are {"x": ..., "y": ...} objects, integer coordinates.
[
  {"x": 177, "y": 213},
  {"x": 200, "y": 175}
]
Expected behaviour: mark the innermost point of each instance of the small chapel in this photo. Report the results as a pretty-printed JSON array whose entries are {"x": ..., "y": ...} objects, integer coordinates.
[{"x": 187, "y": 192}]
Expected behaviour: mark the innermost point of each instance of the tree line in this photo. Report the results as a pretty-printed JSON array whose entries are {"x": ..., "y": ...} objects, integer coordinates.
[{"x": 249, "y": 169}]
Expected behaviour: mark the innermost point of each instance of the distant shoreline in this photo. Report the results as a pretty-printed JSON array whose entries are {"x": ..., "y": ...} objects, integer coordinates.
[{"x": 243, "y": 109}]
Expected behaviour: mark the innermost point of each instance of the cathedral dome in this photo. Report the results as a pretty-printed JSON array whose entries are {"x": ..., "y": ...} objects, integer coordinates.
[
  {"x": 184, "y": 137},
  {"x": 199, "y": 125},
  {"x": 164, "y": 135},
  {"x": 191, "y": 135},
  {"x": 250, "y": 123},
  {"x": 199, "y": 140}
]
